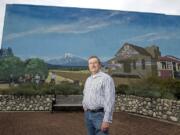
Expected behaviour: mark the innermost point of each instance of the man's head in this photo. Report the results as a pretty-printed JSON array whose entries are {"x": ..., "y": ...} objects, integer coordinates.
[{"x": 94, "y": 64}]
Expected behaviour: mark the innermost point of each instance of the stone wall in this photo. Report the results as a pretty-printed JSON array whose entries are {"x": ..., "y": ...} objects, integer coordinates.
[
  {"x": 25, "y": 103},
  {"x": 158, "y": 108}
]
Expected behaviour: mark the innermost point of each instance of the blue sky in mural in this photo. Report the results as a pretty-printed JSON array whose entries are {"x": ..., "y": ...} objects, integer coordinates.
[{"x": 50, "y": 32}]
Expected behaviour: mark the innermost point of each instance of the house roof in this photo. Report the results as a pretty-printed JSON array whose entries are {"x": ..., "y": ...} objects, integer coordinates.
[
  {"x": 141, "y": 50},
  {"x": 169, "y": 59}
]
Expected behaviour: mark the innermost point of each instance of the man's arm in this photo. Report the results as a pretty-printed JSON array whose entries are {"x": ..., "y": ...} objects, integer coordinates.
[
  {"x": 109, "y": 99},
  {"x": 85, "y": 85}
]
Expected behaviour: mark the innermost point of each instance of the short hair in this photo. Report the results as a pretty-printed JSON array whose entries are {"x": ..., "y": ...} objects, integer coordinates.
[{"x": 94, "y": 56}]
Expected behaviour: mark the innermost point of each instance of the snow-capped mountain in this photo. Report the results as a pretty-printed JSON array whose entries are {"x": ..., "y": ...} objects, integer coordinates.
[{"x": 68, "y": 60}]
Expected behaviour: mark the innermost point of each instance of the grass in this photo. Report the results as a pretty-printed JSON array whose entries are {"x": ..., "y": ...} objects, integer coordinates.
[
  {"x": 66, "y": 83},
  {"x": 83, "y": 74}
]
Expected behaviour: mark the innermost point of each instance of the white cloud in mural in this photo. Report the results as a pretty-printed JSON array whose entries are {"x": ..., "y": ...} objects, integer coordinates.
[
  {"x": 160, "y": 6},
  {"x": 154, "y": 36}
]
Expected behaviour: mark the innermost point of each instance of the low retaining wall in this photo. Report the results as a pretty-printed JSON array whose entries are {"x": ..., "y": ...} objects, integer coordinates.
[
  {"x": 25, "y": 103},
  {"x": 159, "y": 108}
]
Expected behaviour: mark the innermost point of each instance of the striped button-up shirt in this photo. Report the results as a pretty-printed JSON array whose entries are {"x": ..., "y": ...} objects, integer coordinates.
[{"x": 99, "y": 91}]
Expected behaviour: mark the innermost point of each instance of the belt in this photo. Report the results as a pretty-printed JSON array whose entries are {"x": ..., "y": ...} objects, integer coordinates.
[{"x": 96, "y": 110}]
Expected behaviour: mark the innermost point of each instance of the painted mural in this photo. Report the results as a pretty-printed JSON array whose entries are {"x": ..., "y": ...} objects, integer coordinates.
[{"x": 51, "y": 45}]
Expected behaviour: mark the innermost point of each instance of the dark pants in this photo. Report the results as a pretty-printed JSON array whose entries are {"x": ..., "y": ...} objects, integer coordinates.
[{"x": 93, "y": 121}]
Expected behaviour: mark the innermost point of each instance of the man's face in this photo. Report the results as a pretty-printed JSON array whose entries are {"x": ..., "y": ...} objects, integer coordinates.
[{"x": 94, "y": 65}]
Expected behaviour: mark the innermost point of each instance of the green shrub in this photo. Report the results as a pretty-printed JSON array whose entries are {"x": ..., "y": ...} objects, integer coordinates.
[
  {"x": 42, "y": 89},
  {"x": 68, "y": 89},
  {"x": 150, "y": 87},
  {"x": 148, "y": 93},
  {"x": 168, "y": 95},
  {"x": 11, "y": 65},
  {"x": 121, "y": 89},
  {"x": 36, "y": 65},
  {"x": 153, "y": 87}
]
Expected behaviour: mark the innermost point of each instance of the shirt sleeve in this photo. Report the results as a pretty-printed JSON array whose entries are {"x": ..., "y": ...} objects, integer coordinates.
[
  {"x": 85, "y": 85},
  {"x": 109, "y": 89}
]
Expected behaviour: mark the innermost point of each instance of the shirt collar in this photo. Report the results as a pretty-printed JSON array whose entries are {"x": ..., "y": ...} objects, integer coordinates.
[{"x": 97, "y": 74}]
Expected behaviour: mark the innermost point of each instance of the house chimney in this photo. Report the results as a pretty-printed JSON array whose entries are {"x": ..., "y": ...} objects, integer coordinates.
[{"x": 154, "y": 51}]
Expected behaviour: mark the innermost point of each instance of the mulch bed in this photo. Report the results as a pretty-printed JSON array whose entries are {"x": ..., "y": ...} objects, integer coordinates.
[{"x": 72, "y": 123}]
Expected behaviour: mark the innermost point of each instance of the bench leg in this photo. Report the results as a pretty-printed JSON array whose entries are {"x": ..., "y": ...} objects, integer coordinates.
[{"x": 52, "y": 109}]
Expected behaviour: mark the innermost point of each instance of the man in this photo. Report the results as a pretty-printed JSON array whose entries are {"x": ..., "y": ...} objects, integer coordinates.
[
  {"x": 53, "y": 78},
  {"x": 98, "y": 100}
]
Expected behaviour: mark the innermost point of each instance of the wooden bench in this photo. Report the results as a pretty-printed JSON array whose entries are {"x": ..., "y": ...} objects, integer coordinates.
[{"x": 69, "y": 101}]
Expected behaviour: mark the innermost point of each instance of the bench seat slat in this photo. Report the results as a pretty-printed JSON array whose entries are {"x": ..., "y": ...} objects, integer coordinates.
[{"x": 67, "y": 101}]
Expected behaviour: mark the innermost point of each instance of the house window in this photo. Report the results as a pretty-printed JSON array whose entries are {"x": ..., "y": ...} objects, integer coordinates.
[
  {"x": 163, "y": 65},
  {"x": 143, "y": 64},
  {"x": 169, "y": 65},
  {"x": 134, "y": 64},
  {"x": 127, "y": 67},
  {"x": 178, "y": 66}
]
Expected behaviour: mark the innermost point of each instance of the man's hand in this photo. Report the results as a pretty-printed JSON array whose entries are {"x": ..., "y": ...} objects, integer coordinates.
[{"x": 104, "y": 126}]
